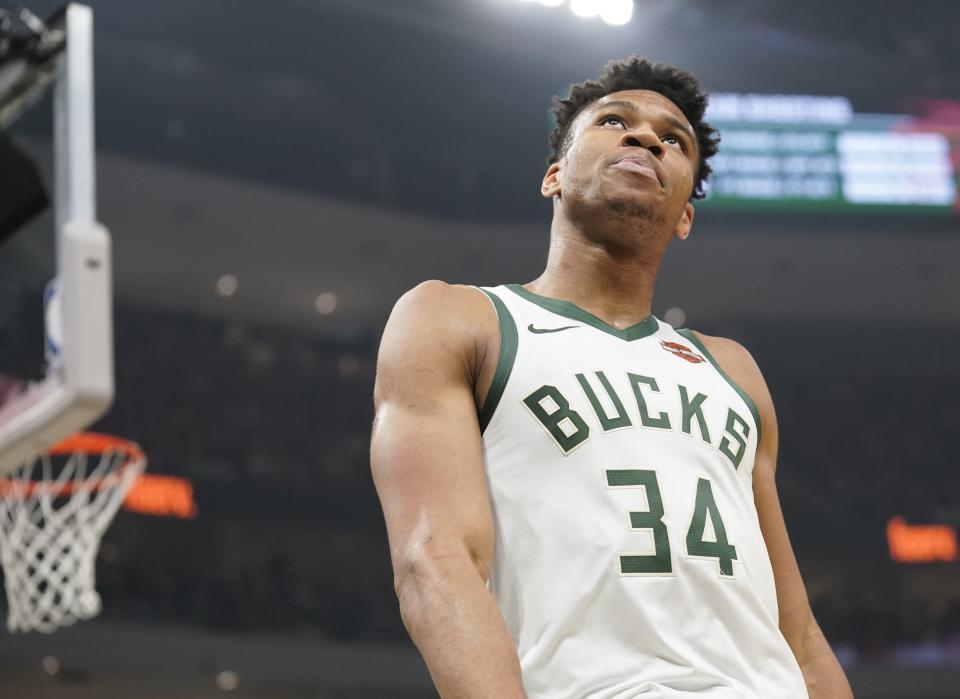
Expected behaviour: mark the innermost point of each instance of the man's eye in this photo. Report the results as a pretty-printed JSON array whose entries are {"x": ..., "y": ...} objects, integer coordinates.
[
  {"x": 608, "y": 119},
  {"x": 675, "y": 139}
]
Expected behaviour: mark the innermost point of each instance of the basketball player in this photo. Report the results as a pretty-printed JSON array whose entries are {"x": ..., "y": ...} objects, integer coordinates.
[{"x": 580, "y": 500}]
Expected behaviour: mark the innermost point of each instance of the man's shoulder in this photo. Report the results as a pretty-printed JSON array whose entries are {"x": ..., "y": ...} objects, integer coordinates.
[
  {"x": 436, "y": 302},
  {"x": 435, "y": 330},
  {"x": 442, "y": 295},
  {"x": 738, "y": 363},
  {"x": 455, "y": 315},
  {"x": 729, "y": 353}
]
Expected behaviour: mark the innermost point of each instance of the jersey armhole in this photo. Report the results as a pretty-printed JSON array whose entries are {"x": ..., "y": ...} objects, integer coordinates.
[
  {"x": 687, "y": 333},
  {"x": 505, "y": 360}
]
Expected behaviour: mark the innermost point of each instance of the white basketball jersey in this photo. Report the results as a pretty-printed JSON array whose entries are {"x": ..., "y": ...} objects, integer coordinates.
[{"x": 628, "y": 558}]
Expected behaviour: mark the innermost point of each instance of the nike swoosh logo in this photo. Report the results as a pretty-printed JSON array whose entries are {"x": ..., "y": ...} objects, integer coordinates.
[{"x": 540, "y": 331}]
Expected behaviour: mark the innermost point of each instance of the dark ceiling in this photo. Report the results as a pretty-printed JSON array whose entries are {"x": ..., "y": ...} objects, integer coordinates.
[{"x": 440, "y": 106}]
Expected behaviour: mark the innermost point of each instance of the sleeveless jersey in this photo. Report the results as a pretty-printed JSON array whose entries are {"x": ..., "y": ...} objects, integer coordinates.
[{"x": 628, "y": 558}]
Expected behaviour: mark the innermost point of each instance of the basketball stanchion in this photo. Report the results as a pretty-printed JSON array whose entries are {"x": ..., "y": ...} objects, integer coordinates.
[{"x": 54, "y": 511}]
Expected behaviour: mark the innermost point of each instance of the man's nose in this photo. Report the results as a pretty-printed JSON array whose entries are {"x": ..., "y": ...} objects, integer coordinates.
[{"x": 643, "y": 137}]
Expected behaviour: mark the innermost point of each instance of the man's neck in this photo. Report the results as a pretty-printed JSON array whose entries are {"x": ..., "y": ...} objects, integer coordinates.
[{"x": 612, "y": 282}]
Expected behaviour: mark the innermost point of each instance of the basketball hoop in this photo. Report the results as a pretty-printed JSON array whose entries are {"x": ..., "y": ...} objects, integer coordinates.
[{"x": 53, "y": 513}]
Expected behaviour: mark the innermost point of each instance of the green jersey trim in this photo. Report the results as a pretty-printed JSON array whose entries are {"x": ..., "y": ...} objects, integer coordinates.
[
  {"x": 508, "y": 355},
  {"x": 644, "y": 328},
  {"x": 687, "y": 333}
]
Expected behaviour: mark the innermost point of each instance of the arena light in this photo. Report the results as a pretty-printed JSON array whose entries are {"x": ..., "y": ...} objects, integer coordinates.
[
  {"x": 586, "y": 8},
  {"x": 227, "y": 680},
  {"x": 227, "y": 285},
  {"x": 326, "y": 303},
  {"x": 616, "y": 12},
  {"x": 675, "y": 316}
]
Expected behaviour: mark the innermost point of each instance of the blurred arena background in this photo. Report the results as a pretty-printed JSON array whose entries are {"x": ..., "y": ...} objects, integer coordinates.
[{"x": 276, "y": 174}]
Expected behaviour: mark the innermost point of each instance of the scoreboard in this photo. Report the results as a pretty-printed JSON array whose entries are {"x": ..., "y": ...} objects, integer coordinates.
[{"x": 798, "y": 152}]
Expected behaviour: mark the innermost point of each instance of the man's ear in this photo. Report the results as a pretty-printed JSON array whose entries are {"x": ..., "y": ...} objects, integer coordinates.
[
  {"x": 682, "y": 229},
  {"x": 550, "y": 187}
]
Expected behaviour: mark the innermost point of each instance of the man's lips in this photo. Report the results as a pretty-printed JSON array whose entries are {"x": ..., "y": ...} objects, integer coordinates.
[{"x": 636, "y": 165}]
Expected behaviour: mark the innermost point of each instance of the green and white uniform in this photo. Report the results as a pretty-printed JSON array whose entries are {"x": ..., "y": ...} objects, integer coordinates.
[{"x": 628, "y": 560}]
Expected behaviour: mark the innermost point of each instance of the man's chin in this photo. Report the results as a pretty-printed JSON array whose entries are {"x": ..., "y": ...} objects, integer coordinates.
[{"x": 631, "y": 208}]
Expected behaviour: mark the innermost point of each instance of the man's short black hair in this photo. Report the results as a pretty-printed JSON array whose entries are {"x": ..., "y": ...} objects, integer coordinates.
[{"x": 637, "y": 73}]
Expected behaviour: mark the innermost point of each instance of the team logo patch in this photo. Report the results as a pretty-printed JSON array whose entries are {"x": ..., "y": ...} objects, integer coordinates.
[{"x": 682, "y": 351}]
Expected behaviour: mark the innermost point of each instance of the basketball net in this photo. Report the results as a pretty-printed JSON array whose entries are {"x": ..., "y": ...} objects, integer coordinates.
[{"x": 53, "y": 513}]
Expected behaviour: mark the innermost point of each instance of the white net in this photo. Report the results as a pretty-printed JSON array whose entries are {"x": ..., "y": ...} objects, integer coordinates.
[{"x": 53, "y": 513}]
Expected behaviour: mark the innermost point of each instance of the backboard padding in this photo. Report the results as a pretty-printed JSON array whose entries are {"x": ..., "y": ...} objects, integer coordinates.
[{"x": 78, "y": 386}]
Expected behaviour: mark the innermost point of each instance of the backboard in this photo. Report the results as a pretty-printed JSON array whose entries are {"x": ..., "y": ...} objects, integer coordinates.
[{"x": 56, "y": 362}]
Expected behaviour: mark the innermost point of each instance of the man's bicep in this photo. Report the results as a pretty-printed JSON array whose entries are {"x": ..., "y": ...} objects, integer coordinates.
[
  {"x": 822, "y": 673},
  {"x": 794, "y": 607},
  {"x": 792, "y": 602},
  {"x": 426, "y": 453}
]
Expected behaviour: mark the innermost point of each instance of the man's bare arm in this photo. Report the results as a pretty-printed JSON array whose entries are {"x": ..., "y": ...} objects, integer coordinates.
[
  {"x": 822, "y": 673},
  {"x": 427, "y": 465}
]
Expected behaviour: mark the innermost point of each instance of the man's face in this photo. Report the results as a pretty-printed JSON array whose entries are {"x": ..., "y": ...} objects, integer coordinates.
[{"x": 633, "y": 155}]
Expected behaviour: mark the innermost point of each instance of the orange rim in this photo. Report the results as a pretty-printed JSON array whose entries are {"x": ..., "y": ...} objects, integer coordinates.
[
  {"x": 95, "y": 443},
  {"x": 84, "y": 442}
]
